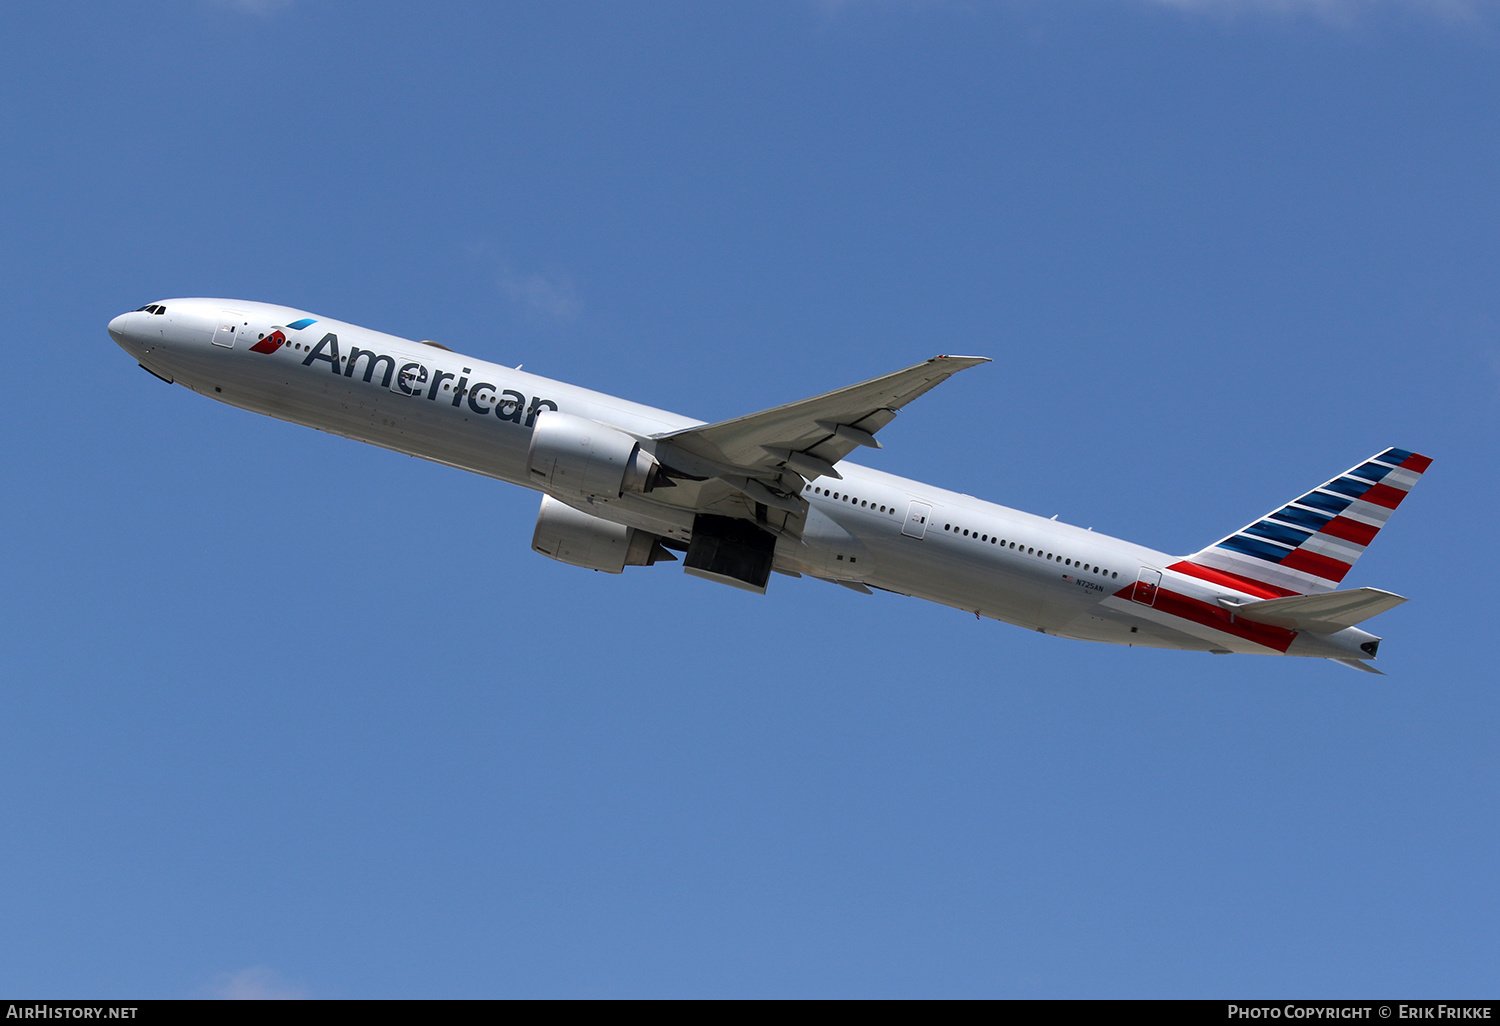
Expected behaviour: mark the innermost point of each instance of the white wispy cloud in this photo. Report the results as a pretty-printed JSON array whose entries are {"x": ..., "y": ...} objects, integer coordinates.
[
  {"x": 262, "y": 8},
  {"x": 1342, "y": 12},
  {"x": 549, "y": 297},
  {"x": 257, "y": 983},
  {"x": 1338, "y": 11}
]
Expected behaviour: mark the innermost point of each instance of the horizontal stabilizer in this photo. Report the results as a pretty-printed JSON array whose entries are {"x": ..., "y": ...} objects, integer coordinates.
[
  {"x": 863, "y": 589},
  {"x": 1325, "y": 613},
  {"x": 1360, "y": 664}
]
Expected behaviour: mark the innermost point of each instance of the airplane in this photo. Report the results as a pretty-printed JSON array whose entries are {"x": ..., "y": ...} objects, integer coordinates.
[{"x": 628, "y": 485}]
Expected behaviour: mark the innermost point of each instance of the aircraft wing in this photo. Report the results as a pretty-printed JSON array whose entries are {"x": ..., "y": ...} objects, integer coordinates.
[{"x": 785, "y": 445}]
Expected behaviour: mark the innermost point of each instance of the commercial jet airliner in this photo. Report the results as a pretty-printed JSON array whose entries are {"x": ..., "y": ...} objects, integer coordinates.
[{"x": 627, "y": 485}]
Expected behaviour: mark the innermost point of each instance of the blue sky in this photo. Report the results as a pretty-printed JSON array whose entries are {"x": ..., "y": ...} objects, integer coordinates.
[{"x": 285, "y": 714}]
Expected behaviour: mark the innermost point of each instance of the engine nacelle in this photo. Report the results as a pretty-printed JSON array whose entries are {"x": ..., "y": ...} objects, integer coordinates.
[
  {"x": 571, "y": 536},
  {"x": 576, "y": 458}
]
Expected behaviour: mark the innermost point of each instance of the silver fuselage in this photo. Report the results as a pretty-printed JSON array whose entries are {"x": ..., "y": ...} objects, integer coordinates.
[{"x": 969, "y": 554}]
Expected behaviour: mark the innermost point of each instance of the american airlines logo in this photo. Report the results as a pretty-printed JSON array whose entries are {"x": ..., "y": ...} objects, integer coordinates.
[
  {"x": 272, "y": 342},
  {"x": 412, "y": 378},
  {"x": 276, "y": 339}
]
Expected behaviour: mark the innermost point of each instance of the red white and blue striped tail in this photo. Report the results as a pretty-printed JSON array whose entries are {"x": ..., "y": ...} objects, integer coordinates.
[{"x": 1308, "y": 545}]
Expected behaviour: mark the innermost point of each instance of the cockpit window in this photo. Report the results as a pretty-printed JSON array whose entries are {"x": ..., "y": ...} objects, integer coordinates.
[
  {"x": 160, "y": 309},
  {"x": 152, "y": 308}
]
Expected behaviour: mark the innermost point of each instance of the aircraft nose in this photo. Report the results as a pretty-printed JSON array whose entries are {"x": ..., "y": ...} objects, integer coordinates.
[{"x": 117, "y": 330}]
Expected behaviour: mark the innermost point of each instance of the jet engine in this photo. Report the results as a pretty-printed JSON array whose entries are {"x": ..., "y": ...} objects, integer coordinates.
[
  {"x": 571, "y": 536},
  {"x": 576, "y": 458}
]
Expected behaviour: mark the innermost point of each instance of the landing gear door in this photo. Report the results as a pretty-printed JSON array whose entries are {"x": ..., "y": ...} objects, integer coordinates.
[
  {"x": 1146, "y": 586},
  {"x": 916, "y": 520}
]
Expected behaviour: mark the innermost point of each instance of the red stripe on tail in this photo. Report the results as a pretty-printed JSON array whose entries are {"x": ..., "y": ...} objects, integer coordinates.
[
  {"x": 1384, "y": 495},
  {"x": 1350, "y": 530},
  {"x": 1225, "y": 579},
  {"x": 1317, "y": 565}
]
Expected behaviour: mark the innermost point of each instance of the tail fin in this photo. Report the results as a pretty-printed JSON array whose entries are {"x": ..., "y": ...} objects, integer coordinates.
[{"x": 1308, "y": 545}]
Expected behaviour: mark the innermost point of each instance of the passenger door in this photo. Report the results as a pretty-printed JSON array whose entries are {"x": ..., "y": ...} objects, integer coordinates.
[
  {"x": 1146, "y": 586},
  {"x": 916, "y": 520},
  {"x": 226, "y": 333}
]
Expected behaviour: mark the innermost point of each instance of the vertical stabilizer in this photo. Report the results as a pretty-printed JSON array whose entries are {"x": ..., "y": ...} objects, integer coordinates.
[{"x": 1308, "y": 545}]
